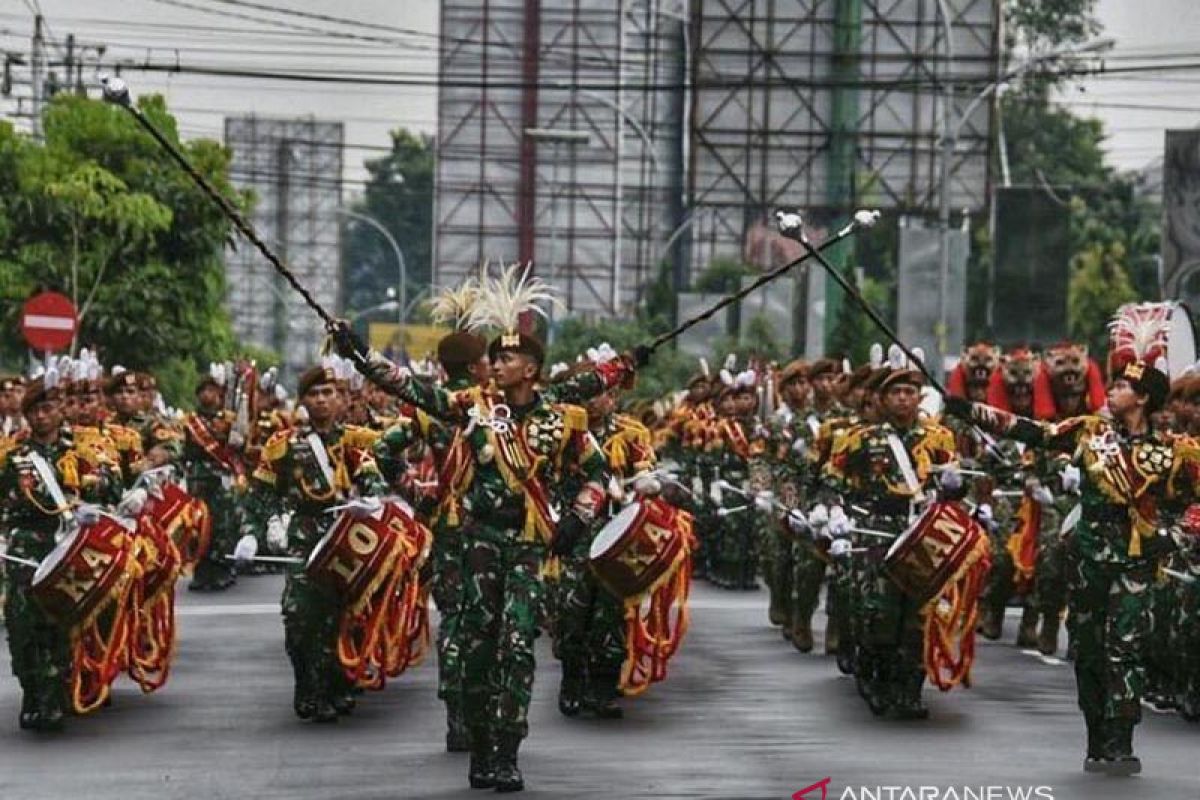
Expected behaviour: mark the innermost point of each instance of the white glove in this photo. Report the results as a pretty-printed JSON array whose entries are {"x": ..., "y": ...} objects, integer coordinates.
[
  {"x": 1042, "y": 496},
  {"x": 1070, "y": 478},
  {"x": 246, "y": 549},
  {"x": 714, "y": 493},
  {"x": 951, "y": 479},
  {"x": 362, "y": 507},
  {"x": 697, "y": 487},
  {"x": 764, "y": 502},
  {"x": 984, "y": 513},
  {"x": 647, "y": 485},
  {"x": 800, "y": 446},
  {"x": 797, "y": 522},
  {"x": 839, "y": 523},
  {"x": 87, "y": 514},
  {"x": 277, "y": 534},
  {"x": 840, "y": 547},
  {"x": 236, "y": 440},
  {"x": 132, "y": 502},
  {"x": 819, "y": 516}
]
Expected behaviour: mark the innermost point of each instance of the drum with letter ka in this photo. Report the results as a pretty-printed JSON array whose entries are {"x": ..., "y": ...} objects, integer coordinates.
[
  {"x": 84, "y": 570},
  {"x": 934, "y": 550},
  {"x": 645, "y": 542}
]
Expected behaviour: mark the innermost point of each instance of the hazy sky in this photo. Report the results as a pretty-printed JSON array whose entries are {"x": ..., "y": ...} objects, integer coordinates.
[{"x": 146, "y": 29}]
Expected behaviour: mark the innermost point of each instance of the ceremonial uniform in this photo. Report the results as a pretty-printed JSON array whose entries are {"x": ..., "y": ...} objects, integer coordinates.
[
  {"x": 887, "y": 470},
  {"x": 216, "y": 475},
  {"x": 731, "y": 447},
  {"x": 307, "y": 471}
]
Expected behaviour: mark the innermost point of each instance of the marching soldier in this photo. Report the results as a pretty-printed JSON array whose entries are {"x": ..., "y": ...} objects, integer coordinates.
[
  {"x": 888, "y": 468},
  {"x": 12, "y": 388},
  {"x": 1128, "y": 472},
  {"x": 517, "y": 447},
  {"x": 215, "y": 474},
  {"x": 40, "y": 481},
  {"x": 307, "y": 469},
  {"x": 161, "y": 443}
]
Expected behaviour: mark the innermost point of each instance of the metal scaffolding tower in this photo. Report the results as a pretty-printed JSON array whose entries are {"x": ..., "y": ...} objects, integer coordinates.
[{"x": 293, "y": 167}]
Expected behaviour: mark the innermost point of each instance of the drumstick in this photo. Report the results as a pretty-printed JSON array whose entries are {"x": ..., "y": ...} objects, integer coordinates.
[
  {"x": 272, "y": 559},
  {"x": 725, "y": 512},
  {"x": 869, "y": 532},
  {"x": 1181, "y": 576},
  {"x": 722, "y": 484},
  {"x": 25, "y": 562}
]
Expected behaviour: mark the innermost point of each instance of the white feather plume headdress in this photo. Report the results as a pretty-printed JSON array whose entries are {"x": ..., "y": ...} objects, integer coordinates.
[
  {"x": 503, "y": 298},
  {"x": 1142, "y": 332},
  {"x": 453, "y": 305}
]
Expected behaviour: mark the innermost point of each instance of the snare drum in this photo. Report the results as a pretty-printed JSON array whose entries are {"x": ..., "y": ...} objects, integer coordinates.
[
  {"x": 84, "y": 570},
  {"x": 645, "y": 542},
  {"x": 1153, "y": 330},
  {"x": 358, "y": 552},
  {"x": 932, "y": 552}
]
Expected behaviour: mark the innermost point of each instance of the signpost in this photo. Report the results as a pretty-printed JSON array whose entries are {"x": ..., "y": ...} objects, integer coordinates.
[{"x": 49, "y": 322}]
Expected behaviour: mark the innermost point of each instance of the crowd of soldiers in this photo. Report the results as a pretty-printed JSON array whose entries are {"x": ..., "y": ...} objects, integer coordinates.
[{"x": 803, "y": 474}]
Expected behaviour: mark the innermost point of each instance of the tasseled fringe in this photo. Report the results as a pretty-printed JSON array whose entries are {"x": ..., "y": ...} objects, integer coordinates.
[
  {"x": 950, "y": 622},
  {"x": 1022, "y": 544}
]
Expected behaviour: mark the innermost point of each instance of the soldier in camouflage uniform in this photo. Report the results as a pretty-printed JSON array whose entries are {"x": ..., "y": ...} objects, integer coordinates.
[
  {"x": 1130, "y": 475},
  {"x": 686, "y": 431},
  {"x": 463, "y": 356},
  {"x": 590, "y": 627},
  {"x": 887, "y": 468},
  {"x": 307, "y": 469},
  {"x": 215, "y": 474},
  {"x": 39, "y": 480},
  {"x": 517, "y": 447},
  {"x": 161, "y": 443}
]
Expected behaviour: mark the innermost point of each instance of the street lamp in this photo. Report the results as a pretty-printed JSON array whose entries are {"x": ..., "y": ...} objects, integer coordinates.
[
  {"x": 374, "y": 223},
  {"x": 557, "y": 137}
]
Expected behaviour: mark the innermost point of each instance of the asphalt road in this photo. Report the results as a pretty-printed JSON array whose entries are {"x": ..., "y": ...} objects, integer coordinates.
[{"x": 742, "y": 716}]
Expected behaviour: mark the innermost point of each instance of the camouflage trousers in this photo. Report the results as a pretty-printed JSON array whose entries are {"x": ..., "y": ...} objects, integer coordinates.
[
  {"x": 1051, "y": 570},
  {"x": 223, "y": 509},
  {"x": 1185, "y": 644},
  {"x": 590, "y": 629},
  {"x": 1108, "y": 620},
  {"x": 447, "y": 590},
  {"x": 502, "y": 598},
  {"x": 40, "y": 649},
  {"x": 807, "y": 575},
  {"x": 775, "y": 566},
  {"x": 889, "y": 635},
  {"x": 311, "y": 614},
  {"x": 1160, "y": 647},
  {"x": 735, "y": 552},
  {"x": 1000, "y": 585}
]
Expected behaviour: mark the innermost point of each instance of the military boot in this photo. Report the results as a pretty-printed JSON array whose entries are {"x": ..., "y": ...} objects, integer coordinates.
[
  {"x": 1119, "y": 748},
  {"x": 1047, "y": 641},
  {"x": 482, "y": 771},
  {"x": 802, "y": 635},
  {"x": 601, "y": 696},
  {"x": 1096, "y": 744},
  {"x": 457, "y": 738},
  {"x": 832, "y": 638},
  {"x": 51, "y": 702},
  {"x": 570, "y": 689},
  {"x": 908, "y": 703},
  {"x": 304, "y": 699},
  {"x": 508, "y": 774},
  {"x": 29, "y": 717},
  {"x": 991, "y": 623},
  {"x": 1027, "y": 631}
]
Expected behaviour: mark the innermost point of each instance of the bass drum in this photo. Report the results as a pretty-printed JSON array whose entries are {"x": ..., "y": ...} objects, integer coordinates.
[
  {"x": 641, "y": 546},
  {"x": 357, "y": 553},
  {"x": 935, "y": 550},
  {"x": 86, "y": 568}
]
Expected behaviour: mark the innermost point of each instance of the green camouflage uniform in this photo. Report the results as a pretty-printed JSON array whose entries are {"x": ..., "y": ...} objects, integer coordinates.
[
  {"x": 810, "y": 567},
  {"x": 889, "y": 625},
  {"x": 504, "y": 535},
  {"x": 1112, "y": 554},
  {"x": 731, "y": 453},
  {"x": 289, "y": 477},
  {"x": 219, "y": 485},
  {"x": 39, "y": 647}
]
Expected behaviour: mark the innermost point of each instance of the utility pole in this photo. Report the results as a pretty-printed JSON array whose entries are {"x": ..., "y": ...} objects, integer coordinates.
[{"x": 37, "y": 53}]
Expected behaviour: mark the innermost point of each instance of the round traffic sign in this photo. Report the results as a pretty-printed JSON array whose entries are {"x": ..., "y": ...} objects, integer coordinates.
[{"x": 48, "y": 321}]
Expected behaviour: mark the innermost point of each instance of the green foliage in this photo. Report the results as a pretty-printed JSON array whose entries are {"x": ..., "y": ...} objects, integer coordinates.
[
  {"x": 99, "y": 212},
  {"x": 1042, "y": 24},
  {"x": 1099, "y": 285},
  {"x": 723, "y": 275},
  {"x": 399, "y": 195},
  {"x": 854, "y": 332},
  {"x": 667, "y": 372}
]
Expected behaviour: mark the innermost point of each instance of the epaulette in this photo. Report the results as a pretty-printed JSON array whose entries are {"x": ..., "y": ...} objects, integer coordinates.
[
  {"x": 360, "y": 437},
  {"x": 633, "y": 427},
  {"x": 276, "y": 447},
  {"x": 574, "y": 417}
]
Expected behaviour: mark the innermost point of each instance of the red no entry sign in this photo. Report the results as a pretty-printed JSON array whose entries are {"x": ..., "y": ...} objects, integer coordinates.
[{"x": 48, "y": 321}]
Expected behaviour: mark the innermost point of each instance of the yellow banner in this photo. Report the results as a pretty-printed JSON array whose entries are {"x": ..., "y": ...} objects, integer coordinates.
[{"x": 418, "y": 340}]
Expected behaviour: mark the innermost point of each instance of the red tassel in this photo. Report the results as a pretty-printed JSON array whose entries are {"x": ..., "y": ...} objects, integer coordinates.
[
  {"x": 1044, "y": 407},
  {"x": 1097, "y": 395},
  {"x": 956, "y": 383},
  {"x": 997, "y": 392}
]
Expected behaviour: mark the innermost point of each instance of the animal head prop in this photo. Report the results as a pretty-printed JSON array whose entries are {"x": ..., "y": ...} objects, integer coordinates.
[
  {"x": 1011, "y": 384},
  {"x": 970, "y": 376},
  {"x": 1068, "y": 382}
]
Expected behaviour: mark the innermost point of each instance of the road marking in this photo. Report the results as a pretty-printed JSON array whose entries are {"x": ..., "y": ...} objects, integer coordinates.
[
  {"x": 1049, "y": 661},
  {"x": 231, "y": 610}
]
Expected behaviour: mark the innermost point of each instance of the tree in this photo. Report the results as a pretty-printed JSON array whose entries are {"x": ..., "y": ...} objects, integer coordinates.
[
  {"x": 1099, "y": 285},
  {"x": 100, "y": 213},
  {"x": 399, "y": 195}
]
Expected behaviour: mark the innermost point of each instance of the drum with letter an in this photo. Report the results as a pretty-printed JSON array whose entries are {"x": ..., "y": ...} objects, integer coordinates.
[
  {"x": 358, "y": 552},
  {"x": 644, "y": 542},
  {"x": 84, "y": 570},
  {"x": 935, "y": 550},
  {"x": 1150, "y": 331}
]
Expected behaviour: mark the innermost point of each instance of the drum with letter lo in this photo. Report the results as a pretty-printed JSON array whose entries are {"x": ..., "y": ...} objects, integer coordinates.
[
  {"x": 943, "y": 542},
  {"x": 644, "y": 542},
  {"x": 84, "y": 570},
  {"x": 358, "y": 552}
]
